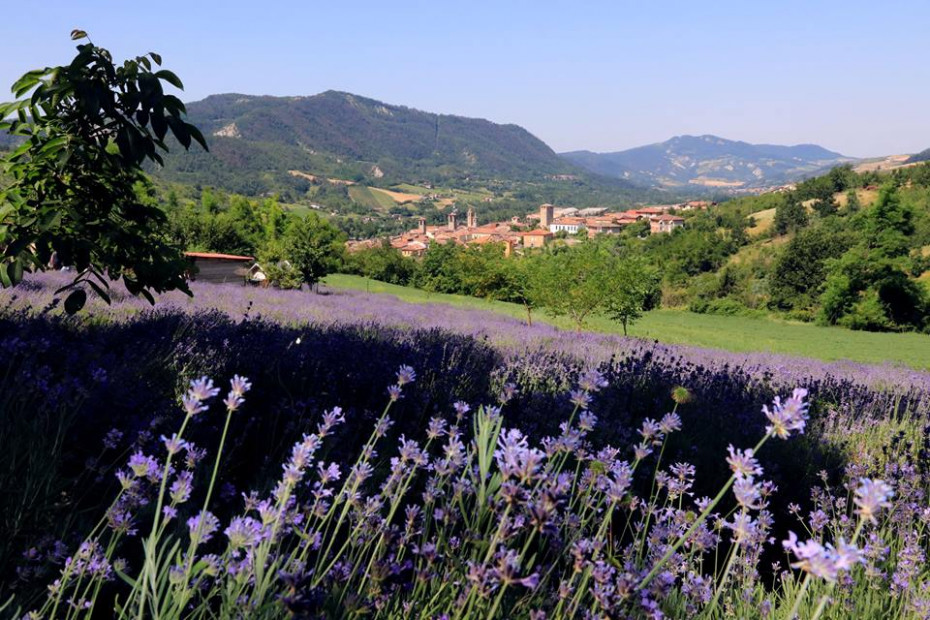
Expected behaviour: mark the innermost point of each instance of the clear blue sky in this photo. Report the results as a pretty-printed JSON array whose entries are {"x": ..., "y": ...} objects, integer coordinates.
[{"x": 600, "y": 75}]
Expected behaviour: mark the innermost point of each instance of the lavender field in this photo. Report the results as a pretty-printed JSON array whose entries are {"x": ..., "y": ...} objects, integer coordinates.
[
  {"x": 510, "y": 336},
  {"x": 372, "y": 458}
]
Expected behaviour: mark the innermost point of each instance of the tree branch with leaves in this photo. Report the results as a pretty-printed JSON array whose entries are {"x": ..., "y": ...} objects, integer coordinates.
[{"x": 86, "y": 129}]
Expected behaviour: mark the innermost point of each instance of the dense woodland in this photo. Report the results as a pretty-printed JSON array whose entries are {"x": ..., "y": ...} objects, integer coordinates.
[{"x": 256, "y": 141}]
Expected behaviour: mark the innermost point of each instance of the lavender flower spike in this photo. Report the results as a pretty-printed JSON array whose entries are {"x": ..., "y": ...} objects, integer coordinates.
[
  {"x": 871, "y": 496},
  {"x": 742, "y": 462},
  {"x": 788, "y": 416},
  {"x": 202, "y": 389},
  {"x": 239, "y": 385},
  {"x": 405, "y": 375}
]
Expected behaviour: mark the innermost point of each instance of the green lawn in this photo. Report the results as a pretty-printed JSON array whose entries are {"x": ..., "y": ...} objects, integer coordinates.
[{"x": 704, "y": 330}]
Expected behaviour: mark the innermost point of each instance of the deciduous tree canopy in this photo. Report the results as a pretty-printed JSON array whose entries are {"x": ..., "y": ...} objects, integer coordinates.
[{"x": 87, "y": 128}]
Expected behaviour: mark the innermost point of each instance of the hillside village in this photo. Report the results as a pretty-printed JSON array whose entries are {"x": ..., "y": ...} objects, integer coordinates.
[{"x": 536, "y": 229}]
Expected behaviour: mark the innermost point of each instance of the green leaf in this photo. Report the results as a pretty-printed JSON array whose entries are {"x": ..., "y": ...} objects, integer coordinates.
[
  {"x": 159, "y": 126},
  {"x": 101, "y": 292},
  {"x": 180, "y": 131},
  {"x": 170, "y": 77},
  {"x": 26, "y": 83},
  {"x": 77, "y": 35},
  {"x": 156, "y": 58},
  {"x": 75, "y": 301},
  {"x": 16, "y": 271},
  {"x": 196, "y": 135},
  {"x": 53, "y": 146}
]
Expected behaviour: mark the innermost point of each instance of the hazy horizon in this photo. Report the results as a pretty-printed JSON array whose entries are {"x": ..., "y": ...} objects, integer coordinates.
[{"x": 603, "y": 77}]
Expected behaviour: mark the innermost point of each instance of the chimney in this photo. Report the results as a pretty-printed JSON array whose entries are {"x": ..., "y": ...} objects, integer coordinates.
[
  {"x": 472, "y": 219},
  {"x": 421, "y": 225},
  {"x": 451, "y": 221},
  {"x": 545, "y": 215}
]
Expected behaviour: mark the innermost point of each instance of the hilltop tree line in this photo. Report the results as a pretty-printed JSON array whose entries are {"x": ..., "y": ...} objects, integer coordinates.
[{"x": 843, "y": 249}]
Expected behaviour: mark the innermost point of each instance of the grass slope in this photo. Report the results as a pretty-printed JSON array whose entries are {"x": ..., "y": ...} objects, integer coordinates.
[
  {"x": 704, "y": 330},
  {"x": 366, "y": 196}
]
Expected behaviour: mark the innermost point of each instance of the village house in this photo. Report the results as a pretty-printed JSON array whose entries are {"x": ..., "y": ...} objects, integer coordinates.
[
  {"x": 571, "y": 225},
  {"x": 410, "y": 247},
  {"x": 665, "y": 223},
  {"x": 603, "y": 226},
  {"x": 654, "y": 210},
  {"x": 536, "y": 238},
  {"x": 219, "y": 268},
  {"x": 691, "y": 205}
]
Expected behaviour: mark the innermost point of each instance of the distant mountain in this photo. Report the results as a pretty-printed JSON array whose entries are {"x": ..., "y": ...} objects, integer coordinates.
[
  {"x": 924, "y": 155},
  {"x": 709, "y": 161},
  {"x": 255, "y": 141}
]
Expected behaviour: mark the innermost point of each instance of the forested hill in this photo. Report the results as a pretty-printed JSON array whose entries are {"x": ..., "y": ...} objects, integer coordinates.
[
  {"x": 924, "y": 155},
  {"x": 710, "y": 162},
  {"x": 253, "y": 139}
]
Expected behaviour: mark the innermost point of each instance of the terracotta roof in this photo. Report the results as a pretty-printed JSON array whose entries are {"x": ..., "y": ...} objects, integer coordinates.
[
  {"x": 217, "y": 256},
  {"x": 537, "y": 233},
  {"x": 488, "y": 239},
  {"x": 668, "y": 218}
]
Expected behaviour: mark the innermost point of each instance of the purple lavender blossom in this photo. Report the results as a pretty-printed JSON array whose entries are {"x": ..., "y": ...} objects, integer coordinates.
[
  {"x": 508, "y": 392},
  {"x": 202, "y": 527},
  {"x": 244, "y": 532},
  {"x": 515, "y": 458},
  {"x": 871, "y": 496},
  {"x": 743, "y": 463},
  {"x": 580, "y": 399},
  {"x": 748, "y": 493},
  {"x": 173, "y": 444},
  {"x": 592, "y": 380},
  {"x": 670, "y": 423},
  {"x": 238, "y": 386},
  {"x": 202, "y": 389},
  {"x": 788, "y": 416},
  {"x": 180, "y": 489},
  {"x": 144, "y": 466},
  {"x": 822, "y": 560},
  {"x": 405, "y": 375}
]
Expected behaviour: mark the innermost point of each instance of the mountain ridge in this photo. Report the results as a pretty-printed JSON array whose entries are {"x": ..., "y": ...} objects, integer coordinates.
[
  {"x": 710, "y": 161},
  {"x": 344, "y": 135}
]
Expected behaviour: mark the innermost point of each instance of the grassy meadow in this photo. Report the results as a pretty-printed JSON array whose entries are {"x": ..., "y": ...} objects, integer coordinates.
[{"x": 731, "y": 333}]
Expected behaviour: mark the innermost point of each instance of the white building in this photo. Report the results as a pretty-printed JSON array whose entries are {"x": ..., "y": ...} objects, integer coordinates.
[{"x": 571, "y": 225}]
